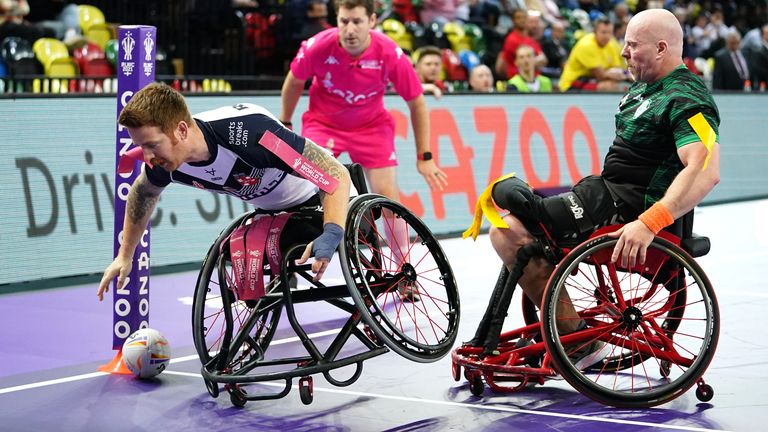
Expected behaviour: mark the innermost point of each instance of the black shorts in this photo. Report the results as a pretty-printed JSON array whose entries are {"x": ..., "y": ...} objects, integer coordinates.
[{"x": 598, "y": 206}]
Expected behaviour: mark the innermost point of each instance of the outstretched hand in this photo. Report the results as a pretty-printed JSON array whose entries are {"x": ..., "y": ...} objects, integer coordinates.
[
  {"x": 435, "y": 177},
  {"x": 120, "y": 268},
  {"x": 319, "y": 266},
  {"x": 634, "y": 239}
]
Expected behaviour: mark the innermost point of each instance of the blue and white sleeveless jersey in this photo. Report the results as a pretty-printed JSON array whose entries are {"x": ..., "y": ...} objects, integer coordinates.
[{"x": 239, "y": 165}]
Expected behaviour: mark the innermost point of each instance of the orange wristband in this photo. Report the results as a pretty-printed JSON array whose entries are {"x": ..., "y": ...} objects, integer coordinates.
[{"x": 657, "y": 217}]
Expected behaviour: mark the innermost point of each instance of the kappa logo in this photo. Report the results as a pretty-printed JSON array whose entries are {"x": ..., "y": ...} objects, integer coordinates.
[
  {"x": 331, "y": 60},
  {"x": 642, "y": 108},
  {"x": 576, "y": 209},
  {"x": 393, "y": 156}
]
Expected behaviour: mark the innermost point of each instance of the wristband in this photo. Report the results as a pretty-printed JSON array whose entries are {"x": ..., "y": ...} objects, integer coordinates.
[
  {"x": 657, "y": 218},
  {"x": 286, "y": 123},
  {"x": 325, "y": 244}
]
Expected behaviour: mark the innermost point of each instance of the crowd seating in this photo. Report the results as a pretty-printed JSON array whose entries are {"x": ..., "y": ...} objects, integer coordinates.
[{"x": 253, "y": 49}]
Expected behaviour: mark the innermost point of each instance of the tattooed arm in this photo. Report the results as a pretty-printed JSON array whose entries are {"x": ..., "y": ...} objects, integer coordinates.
[
  {"x": 141, "y": 202},
  {"x": 334, "y": 206}
]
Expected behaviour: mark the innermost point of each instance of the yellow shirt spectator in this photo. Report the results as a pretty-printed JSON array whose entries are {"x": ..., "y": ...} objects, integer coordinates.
[{"x": 596, "y": 56}]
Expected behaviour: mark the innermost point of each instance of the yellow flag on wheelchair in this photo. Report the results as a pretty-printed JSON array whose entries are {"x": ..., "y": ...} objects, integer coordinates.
[{"x": 485, "y": 206}]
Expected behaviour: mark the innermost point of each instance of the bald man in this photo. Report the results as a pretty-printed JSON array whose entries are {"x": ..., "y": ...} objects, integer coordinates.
[{"x": 664, "y": 160}]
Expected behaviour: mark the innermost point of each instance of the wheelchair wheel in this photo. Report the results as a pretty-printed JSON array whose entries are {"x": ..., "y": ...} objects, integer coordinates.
[
  {"x": 643, "y": 351},
  {"x": 220, "y": 320},
  {"x": 406, "y": 292}
]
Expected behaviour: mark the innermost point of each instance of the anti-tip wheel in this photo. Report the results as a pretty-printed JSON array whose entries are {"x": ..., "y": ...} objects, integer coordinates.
[{"x": 305, "y": 390}]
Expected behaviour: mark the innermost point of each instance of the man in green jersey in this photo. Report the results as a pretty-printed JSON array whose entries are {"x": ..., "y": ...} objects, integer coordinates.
[{"x": 664, "y": 160}]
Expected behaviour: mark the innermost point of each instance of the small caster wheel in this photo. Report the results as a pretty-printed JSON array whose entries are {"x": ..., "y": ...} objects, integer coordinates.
[
  {"x": 305, "y": 390},
  {"x": 212, "y": 387},
  {"x": 705, "y": 393},
  {"x": 476, "y": 385},
  {"x": 456, "y": 371},
  {"x": 237, "y": 396}
]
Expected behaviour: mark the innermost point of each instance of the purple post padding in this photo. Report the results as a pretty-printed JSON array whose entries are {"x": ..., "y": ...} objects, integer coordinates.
[{"x": 135, "y": 69}]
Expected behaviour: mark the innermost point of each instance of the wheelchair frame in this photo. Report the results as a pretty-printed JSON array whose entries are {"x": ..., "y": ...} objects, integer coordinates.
[
  {"x": 233, "y": 341},
  {"x": 644, "y": 327}
]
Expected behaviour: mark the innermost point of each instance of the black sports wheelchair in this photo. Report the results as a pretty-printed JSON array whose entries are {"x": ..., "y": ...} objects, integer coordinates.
[
  {"x": 232, "y": 336},
  {"x": 646, "y": 334}
]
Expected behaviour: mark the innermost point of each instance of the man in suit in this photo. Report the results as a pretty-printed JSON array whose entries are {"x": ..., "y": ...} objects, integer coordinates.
[
  {"x": 731, "y": 69},
  {"x": 757, "y": 59}
]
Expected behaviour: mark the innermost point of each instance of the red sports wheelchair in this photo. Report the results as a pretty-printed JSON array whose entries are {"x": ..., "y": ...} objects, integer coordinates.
[
  {"x": 657, "y": 323},
  {"x": 232, "y": 336}
]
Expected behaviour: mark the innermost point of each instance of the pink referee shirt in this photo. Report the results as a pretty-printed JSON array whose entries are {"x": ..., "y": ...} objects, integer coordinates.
[{"x": 347, "y": 92}]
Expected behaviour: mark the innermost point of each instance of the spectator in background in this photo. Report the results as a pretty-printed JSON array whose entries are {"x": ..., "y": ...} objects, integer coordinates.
[
  {"x": 757, "y": 59},
  {"x": 753, "y": 39},
  {"x": 620, "y": 17},
  {"x": 505, "y": 62},
  {"x": 719, "y": 31},
  {"x": 441, "y": 11},
  {"x": 316, "y": 19},
  {"x": 527, "y": 80},
  {"x": 547, "y": 9},
  {"x": 702, "y": 34},
  {"x": 595, "y": 62},
  {"x": 13, "y": 22},
  {"x": 481, "y": 79},
  {"x": 731, "y": 69},
  {"x": 556, "y": 49},
  {"x": 429, "y": 67}
]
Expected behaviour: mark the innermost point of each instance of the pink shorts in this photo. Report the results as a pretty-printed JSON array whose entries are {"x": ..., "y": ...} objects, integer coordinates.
[{"x": 372, "y": 147}]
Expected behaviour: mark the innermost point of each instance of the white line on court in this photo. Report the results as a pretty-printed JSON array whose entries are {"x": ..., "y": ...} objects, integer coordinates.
[
  {"x": 479, "y": 407},
  {"x": 381, "y": 396}
]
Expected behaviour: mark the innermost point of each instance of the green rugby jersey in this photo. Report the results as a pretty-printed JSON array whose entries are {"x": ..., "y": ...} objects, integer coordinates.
[{"x": 651, "y": 124}]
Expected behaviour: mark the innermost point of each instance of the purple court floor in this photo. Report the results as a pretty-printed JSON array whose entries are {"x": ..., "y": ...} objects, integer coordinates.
[{"x": 54, "y": 340}]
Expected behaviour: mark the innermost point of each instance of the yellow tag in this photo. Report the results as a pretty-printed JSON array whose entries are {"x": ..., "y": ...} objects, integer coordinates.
[
  {"x": 484, "y": 206},
  {"x": 705, "y": 133}
]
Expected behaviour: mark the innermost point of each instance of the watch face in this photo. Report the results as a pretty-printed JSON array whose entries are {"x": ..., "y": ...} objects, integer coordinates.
[{"x": 426, "y": 156}]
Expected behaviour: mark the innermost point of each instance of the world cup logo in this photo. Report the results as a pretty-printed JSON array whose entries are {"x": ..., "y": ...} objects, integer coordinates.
[
  {"x": 128, "y": 43},
  {"x": 148, "y": 45}
]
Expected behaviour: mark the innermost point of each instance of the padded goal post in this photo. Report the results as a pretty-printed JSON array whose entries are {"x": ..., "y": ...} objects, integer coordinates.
[{"x": 135, "y": 69}]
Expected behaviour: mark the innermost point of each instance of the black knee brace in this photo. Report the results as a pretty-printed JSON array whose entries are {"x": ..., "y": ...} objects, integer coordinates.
[
  {"x": 563, "y": 216},
  {"x": 516, "y": 196}
]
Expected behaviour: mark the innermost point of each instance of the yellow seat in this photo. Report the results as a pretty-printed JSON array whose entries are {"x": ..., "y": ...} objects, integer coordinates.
[
  {"x": 89, "y": 16},
  {"x": 54, "y": 56},
  {"x": 100, "y": 34}
]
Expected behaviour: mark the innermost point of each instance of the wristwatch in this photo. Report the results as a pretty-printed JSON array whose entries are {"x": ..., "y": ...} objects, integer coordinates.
[{"x": 424, "y": 156}]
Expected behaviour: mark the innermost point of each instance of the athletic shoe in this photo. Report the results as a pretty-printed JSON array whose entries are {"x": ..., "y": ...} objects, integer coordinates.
[
  {"x": 408, "y": 293},
  {"x": 589, "y": 355}
]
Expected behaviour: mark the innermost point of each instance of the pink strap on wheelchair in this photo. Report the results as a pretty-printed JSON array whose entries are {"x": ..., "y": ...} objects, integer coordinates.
[
  {"x": 237, "y": 255},
  {"x": 299, "y": 163},
  {"x": 255, "y": 239},
  {"x": 273, "y": 242}
]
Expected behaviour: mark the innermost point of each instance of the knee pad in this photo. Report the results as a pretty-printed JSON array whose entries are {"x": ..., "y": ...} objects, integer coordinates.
[{"x": 516, "y": 196}]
